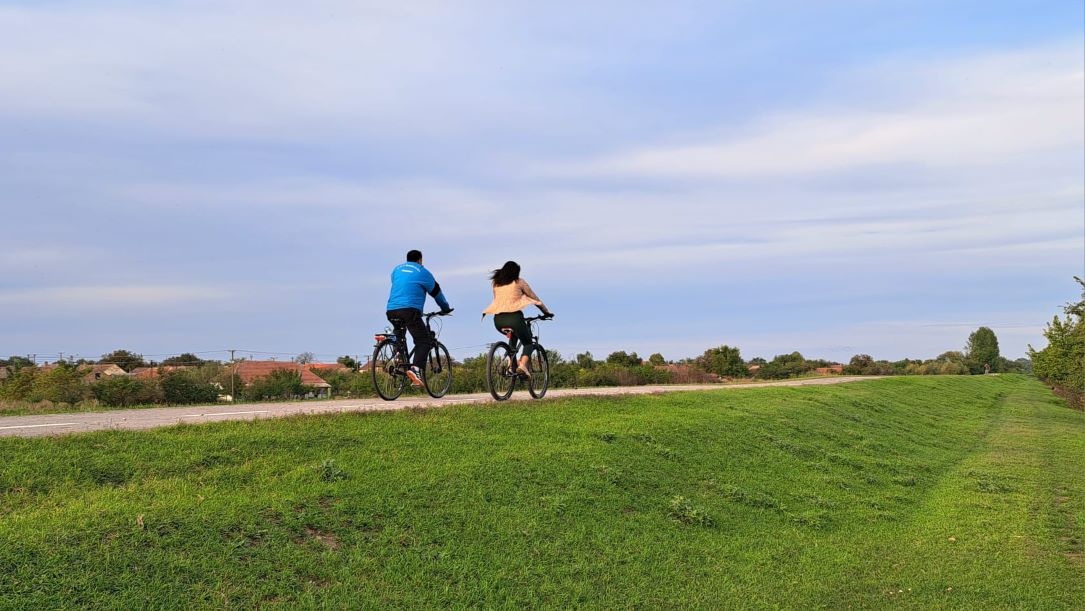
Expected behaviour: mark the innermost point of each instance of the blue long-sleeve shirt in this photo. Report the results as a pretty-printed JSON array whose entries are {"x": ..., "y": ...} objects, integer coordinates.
[{"x": 411, "y": 282}]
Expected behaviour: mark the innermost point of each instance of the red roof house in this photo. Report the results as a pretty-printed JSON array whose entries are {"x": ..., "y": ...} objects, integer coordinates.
[
  {"x": 250, "y": 371},
  {"x": 319, "y": 368}
]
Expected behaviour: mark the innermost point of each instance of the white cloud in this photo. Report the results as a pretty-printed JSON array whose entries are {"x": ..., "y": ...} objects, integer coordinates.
[
  {"x": 267, "y": 71},
  {"x": 995, "y": 109},
  {"x": 13, "y": 257},
  {"x": 76, "y": 298}
]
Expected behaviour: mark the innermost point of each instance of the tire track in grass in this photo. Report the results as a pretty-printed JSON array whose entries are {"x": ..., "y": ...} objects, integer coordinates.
[{"x": 997, "y": 528}]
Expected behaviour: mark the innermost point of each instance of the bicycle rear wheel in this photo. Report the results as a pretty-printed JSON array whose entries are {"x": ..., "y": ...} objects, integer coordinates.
[
  {"x": 437, "y": 373},
  {"x": 386, "y": 380},
  {"x": 500, "y": 375},
  {"x": 540, "y": 373}
]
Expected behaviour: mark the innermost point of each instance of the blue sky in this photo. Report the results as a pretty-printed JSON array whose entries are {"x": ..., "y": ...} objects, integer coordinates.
[{"x": 834, "y": 178}]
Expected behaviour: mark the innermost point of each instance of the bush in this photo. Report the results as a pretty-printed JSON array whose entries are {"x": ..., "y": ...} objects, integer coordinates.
[
  {"x": 563, "y": 375},
  {"x": 279, "y": 384},
  {"x": 182, "y": 388},
  {"x": 122, "y": 391},
  {"x": 467, "y": 377},
  {"x": 62, "y": 384},
  {"x": 785, "y": 366},
  {"x": 19, "y": 386},
  {"x": 865, "y": 365},
  {"x": 340, "y": 381}
]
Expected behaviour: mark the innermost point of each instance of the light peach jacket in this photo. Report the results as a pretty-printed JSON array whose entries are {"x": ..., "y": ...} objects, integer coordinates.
[{"x": 513, "y": 297}]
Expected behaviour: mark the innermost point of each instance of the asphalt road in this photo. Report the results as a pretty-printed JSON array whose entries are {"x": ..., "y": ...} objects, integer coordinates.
[{"x": 139, "y": 419}]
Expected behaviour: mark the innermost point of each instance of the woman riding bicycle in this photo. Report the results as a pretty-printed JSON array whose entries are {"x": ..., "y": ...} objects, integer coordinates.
[{"x": 511, "y": 295}]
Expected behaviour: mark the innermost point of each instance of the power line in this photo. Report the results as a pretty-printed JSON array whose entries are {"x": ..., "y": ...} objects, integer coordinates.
[{"x": 230, "y": 353}]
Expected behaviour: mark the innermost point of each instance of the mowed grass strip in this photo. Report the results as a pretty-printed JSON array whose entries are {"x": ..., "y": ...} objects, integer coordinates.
[{"x": 959, "y": 492}]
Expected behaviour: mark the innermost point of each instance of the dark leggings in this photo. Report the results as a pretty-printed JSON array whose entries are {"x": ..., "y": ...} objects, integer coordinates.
[{"x": 520, "y": 329}]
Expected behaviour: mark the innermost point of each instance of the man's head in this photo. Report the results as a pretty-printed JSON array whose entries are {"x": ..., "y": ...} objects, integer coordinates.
[{"x": 414, "y": 256}]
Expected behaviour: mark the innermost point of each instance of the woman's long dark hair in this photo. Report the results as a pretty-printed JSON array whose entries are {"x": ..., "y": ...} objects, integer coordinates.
[{"x": 509, "y": 273}]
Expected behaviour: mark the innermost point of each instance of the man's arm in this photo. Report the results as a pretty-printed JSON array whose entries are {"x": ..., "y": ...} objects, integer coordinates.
[{"x": 434, "y": 290}]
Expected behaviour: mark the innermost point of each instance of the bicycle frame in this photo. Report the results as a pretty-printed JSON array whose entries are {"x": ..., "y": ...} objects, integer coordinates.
[
  {"x": 399, "y": 338},
  {"x": 514, "y": 342}
]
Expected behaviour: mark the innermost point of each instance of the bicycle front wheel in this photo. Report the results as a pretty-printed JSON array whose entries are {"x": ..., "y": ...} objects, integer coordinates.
[
  {"x": 386, "y": 380},
  {"x": 500, "y": 372},
  {"x": 540, "y": 373},
  {"x": 437, "y": 374}
]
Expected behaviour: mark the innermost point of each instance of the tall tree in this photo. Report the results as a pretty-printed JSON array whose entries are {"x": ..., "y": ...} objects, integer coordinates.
[
  {"x": 585, "y": 360},
  {"x": 724, "y": 361},
  {"x": 623, "y": 359},
  {"x": 657, "y": 359},
  {"x": 124, "y": 359},
  {"x": 982, "y": 349},
  {"x": 186, "y": 358},
  {"x": 18, "y": 362}
]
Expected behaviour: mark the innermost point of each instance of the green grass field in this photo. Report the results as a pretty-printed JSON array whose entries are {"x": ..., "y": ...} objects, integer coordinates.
[{"x": 964, "y": 492}]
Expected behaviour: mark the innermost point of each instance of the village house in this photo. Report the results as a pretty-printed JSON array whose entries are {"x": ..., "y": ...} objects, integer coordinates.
[
  {"x": 319, "y": 368},
  {"x": 830, "y": 370},
  {"x": 91, "y": 373},
  {"x": 250, "y": 371},
  {"x": 94, "y": 373}
]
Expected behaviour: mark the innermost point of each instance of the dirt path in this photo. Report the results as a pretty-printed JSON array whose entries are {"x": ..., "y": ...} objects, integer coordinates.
[{"x": 138, "y": 419}]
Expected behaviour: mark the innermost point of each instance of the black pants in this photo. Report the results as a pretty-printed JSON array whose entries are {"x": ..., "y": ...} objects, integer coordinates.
[
  {"x": 411, "y": 320},
  {"x": 520, "y": 329}
]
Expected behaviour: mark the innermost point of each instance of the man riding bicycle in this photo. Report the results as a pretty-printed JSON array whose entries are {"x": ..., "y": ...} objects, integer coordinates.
[{"x": 410, "y": 284}]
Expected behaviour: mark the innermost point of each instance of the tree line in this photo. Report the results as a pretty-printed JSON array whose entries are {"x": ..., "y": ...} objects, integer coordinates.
[
  {"x": 187, "y": 379},
  {"x": 1062, "y": 362}
]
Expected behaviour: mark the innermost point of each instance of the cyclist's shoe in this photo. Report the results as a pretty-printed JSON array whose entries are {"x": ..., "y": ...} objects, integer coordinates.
[
  {"x": 414, "y": 374},
  {"x": 523, "y": 373}
]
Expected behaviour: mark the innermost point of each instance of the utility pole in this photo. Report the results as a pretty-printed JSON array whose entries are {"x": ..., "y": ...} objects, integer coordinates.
[{"x": 233, "y": 374}]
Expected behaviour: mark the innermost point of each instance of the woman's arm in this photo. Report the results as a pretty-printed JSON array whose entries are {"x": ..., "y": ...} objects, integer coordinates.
[{"x": 526, "y": 288}]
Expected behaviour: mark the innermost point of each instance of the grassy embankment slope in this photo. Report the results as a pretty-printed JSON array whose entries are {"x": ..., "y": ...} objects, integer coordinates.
[{"x": 921, "y": 492}]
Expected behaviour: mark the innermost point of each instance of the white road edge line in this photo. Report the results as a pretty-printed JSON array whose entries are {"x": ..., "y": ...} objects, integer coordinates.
[
  {"x": 34, "y": 426},
  {"x": 258, "y": 411}
]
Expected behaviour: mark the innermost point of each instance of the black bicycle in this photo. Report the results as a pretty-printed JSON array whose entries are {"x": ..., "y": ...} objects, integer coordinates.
[
  {"x": 391, "y": 361},
  {"x": 501, "y": 374}
]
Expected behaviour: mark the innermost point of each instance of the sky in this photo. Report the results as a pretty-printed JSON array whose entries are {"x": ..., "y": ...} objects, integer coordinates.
[{"x": 833, "y": 177}]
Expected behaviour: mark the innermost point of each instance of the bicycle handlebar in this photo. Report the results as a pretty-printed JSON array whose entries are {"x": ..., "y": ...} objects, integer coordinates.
[
  {"x": 541, "y": 317},
  {"x": 432, "y": 314}
]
